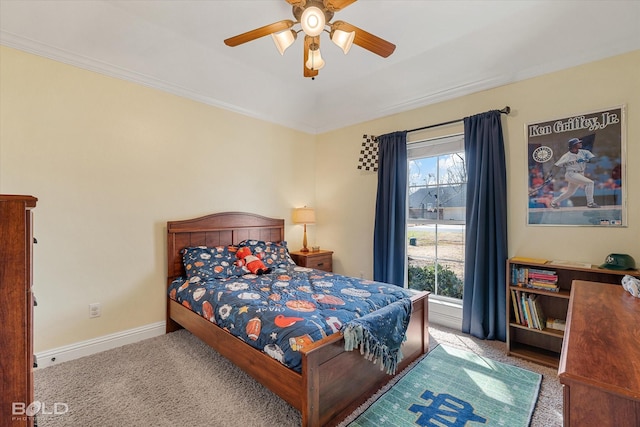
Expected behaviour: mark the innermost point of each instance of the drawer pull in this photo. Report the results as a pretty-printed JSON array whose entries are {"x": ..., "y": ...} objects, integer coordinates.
[{"x": 320, "y": 264}]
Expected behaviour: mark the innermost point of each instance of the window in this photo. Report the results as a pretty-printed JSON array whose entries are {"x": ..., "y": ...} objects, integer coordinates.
[{"x": 436, "y": 217}]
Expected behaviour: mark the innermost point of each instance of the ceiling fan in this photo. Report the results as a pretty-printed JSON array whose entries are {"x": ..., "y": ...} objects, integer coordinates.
[{"x": 314, "y": 16}]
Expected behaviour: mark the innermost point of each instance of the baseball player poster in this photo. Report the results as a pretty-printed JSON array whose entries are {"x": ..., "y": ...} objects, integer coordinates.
[{"x": 576, "y": 170}]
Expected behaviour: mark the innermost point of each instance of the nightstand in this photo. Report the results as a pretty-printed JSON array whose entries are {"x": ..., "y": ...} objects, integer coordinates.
[{"x": 321, "y": 260}]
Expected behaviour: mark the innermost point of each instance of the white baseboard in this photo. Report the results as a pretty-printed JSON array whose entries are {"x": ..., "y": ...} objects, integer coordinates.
[{"x": 96, "y": 345}]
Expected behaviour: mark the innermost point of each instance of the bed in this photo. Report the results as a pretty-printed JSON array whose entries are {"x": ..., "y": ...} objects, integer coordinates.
[{"x": 330, "y": 382}]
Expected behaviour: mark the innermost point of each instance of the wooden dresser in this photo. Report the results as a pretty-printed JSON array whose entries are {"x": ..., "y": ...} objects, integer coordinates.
[
  {"x": 16, "y": 309},
  {"x": 600, "y": 360}
]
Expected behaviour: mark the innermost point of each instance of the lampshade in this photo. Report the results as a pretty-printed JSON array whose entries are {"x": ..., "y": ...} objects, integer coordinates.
[
  {"x": 312, "y": 21},
  {"x": 304, "y": 216},
  {"x": 343, "y": 39},
  {"x": 284, "y": 39},
  {"x": 315, "y": 61}
]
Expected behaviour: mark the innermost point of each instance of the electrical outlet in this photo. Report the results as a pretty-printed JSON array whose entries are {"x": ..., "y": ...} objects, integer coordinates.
[{"x": 95, "y": 310}]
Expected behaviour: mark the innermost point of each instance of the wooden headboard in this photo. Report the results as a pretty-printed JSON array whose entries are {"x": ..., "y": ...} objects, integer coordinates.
[{"x": 225, "y": 228}]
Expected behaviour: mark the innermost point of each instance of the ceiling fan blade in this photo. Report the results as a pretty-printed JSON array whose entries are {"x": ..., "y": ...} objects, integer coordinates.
[
  {"x": 259, "y": 32},
  {"x": 366, "y": 40},
  {"x": 298, "y": 3},
  {"x": 336, "y": 5},
  {"x": 307, "y": 44}
]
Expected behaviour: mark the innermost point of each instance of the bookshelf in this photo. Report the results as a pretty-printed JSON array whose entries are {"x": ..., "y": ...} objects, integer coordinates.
[{"x": 528, "y": 337}]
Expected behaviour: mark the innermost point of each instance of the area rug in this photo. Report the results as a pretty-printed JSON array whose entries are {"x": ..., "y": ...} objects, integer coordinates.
[{"x": 455, "y": 388}]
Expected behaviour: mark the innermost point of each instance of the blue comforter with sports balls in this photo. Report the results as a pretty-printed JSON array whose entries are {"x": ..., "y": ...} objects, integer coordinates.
[{"x": 282, "y": 312}]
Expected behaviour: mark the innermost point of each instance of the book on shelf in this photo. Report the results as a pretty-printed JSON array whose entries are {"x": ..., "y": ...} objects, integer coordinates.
[
  {"x": 514, "y": 300},
  {"x": 542, "y": 286},
  {"x": 549, "y": 282},
  {"x": 534, "y": 278},
  {"x": 523, "y": 320},
  {"x": 538, "y": 312},
  {"x": 532, "y": 313},
  {"x": 557, "y": 324},
  {"x": 529, "y": 260},
  {"x": 564, "y": 263},
  {"x": 535, "y": 273},
  {"x": 527, "y": 311}
]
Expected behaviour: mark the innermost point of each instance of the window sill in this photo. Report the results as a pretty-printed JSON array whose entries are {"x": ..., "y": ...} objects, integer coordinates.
[
  {"x": 450, "y": 302},
  {"x": 445, "y": 311}
]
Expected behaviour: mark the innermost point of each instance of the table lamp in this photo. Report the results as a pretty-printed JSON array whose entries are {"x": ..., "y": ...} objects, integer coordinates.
[{"x": 304, "y": 216}]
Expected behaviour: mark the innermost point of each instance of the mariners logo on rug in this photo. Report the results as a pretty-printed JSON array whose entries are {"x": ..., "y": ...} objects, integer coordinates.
[
  {"x": 369, "y": 153},
  {"x": 444, "y": 409}
]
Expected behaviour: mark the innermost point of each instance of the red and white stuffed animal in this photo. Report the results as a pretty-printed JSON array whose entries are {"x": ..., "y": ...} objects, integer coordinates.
[{"x": 252, "y": 262}]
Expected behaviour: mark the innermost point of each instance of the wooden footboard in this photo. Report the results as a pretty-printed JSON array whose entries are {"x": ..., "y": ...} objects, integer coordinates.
[
  {"x": 333, "y": 382},
  {"x": 336, "y": 382}
]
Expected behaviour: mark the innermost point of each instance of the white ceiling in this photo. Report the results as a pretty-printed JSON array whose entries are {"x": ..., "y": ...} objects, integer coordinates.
[{"x": 445, "y": 49}]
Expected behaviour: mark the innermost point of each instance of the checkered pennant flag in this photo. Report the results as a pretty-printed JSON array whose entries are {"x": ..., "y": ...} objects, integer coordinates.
[{"x": 369, "y": 153}]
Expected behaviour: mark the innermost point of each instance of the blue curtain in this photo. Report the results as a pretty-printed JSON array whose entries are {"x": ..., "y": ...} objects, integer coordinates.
[
  {"x": 389, "y": 246},
  {"x": 484, "y": 304}
]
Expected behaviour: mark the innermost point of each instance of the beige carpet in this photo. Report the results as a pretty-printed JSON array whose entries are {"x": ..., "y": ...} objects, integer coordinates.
[{"x": 175, "y": 379}]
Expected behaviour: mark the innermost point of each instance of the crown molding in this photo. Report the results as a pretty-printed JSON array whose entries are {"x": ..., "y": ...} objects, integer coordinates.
[{"x": 40, "y": 49}]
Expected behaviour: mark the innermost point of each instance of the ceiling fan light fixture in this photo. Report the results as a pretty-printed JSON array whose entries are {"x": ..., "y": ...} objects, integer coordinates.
[
  {"x": 284, "y": 39},
  {"x": 312, "y": 21},
  {"x": 315, "y": 61},
  {"x": 343, "y": 39},
  {"x": 314, "y": 18}
]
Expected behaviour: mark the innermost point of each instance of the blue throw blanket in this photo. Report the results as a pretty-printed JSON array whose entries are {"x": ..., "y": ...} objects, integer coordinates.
[{"x": 380, "y": 334}]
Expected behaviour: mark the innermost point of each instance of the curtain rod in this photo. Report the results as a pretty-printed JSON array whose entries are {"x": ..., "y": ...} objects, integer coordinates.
[{"x": 505, "y": 110}]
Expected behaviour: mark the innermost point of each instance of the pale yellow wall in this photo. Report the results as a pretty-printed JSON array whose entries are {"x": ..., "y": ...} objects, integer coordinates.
[
  {"x": 346, "y": 197},
  {"x": 111, "y": 162}
]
